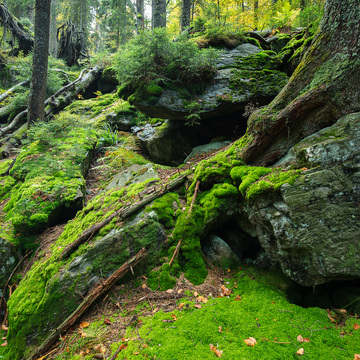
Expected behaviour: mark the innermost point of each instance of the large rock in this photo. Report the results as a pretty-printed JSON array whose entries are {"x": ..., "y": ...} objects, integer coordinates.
[
  {"x": 312, "y": 228},
  {"x": 245, "y": 74}
]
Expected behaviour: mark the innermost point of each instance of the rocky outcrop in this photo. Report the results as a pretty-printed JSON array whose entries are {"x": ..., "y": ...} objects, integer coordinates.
[
  {"x": 245, "y": 74},
  {"x": 312, "y": 228},
  {"x": 8, "y": 260}
]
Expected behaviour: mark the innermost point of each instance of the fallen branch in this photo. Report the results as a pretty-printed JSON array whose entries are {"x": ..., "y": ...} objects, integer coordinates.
[
  {"x": 177, "y": 249},
  {"x": 7, "y": 93},
  {"x": 262, "y": 40},
  {"x": 194, "y": 197},
  {"x": 14, "y": 123},
  {"x": 87, "y": 302},
  {"x": 122, "y": 214}
]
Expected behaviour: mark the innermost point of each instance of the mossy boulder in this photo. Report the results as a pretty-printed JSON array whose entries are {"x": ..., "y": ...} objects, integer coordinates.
[
  {"x": 53, "y": 289},
  {"x": 49, "y": 176},
  {"x": 311, "y": 228},
  {"x": 244, "y": 74}
]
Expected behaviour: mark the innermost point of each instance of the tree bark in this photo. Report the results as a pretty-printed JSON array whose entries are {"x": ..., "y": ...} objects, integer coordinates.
[
  {"x": 53, "y": 28},
  {"x": 158, "y": 13},
  {"x": 324, "y": 87},
  {"x": 40, "y": 61},
  {"x": 185, "y": 14},
  {"x": 139, "y": 15}
]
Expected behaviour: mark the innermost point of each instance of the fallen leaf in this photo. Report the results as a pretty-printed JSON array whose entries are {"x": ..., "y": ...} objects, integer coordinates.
[
  {"x": 181, "y": 305},
  {"x": 220, "y": 329},
  {"x": 123, "y": 346},
  {"x": 174, "y": 317},
  {"x": 100, "y": 348},
  {"x": 84, "y": 324},
  {"x": 180, "y": 291},
  {"x": 198, "y": 306},
  {"x": 82, "y": 333},
  {"x": 218, "y": 353},
  {"x": 4, "y": 327},
  {"x": 356, "y": 326},
  {"x": 4, "y": 343},
  {"x": 306, "y": 340},
  {"x": 300, "y": 351},
  {"x": 238, "y": 298},
  {"x": 330, "y": 316},
  {"x": 136, "y": 353},
  {"x": 300, "y": 338},
  {"x": 144, "y": 286},
  {"x": 196, "y": 293},
  {"x": 251, "y": 341},
  {"x": 107, "y": 321},
  {"x": 357, "y": 357},
  {"x": 145, "y": 345},
  {"x": 202, "y": 299},
  {"x": 225, "y": 290},
  {"x": 3, "y": 338},
  {"x": 169, "y": 291},
  {"x": 212, "y": 347}
]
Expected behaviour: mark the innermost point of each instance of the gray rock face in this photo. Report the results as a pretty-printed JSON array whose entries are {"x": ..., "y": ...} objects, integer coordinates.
[
  {"x": 219, "y": 252},
  {"x": 133, "y": 174},
  {"x": 312, "y": 229},
  {"x": 202, "y": 149},
  {"x": 122, "y": 122},
  {"x": 239, "y": 81},
  {"x": 8, "y": 260}
]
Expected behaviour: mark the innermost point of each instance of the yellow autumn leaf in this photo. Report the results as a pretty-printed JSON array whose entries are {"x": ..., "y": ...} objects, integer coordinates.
[
  {"x": 301, "y": 351},
  {"x": 84, "y": 324}
]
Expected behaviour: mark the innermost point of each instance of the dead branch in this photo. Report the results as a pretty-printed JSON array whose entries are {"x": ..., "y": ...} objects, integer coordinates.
[
  {"x": 94, "y": 294},
  {"x": 14, "y": 123},
  {"x": 122, "y": 214},
  {"x": 194, "y": 197},
  {"x": 177, "y": 249},
  {"x": 7, "y": 93},
  {"x": 6, "y": 173}
]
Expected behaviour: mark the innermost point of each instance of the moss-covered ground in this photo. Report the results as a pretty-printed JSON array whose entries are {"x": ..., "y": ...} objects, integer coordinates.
[{"x": 249, "y": 304}]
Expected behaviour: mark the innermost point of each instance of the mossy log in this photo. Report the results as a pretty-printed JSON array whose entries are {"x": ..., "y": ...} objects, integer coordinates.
[
  {"x": 324, "y": 87},
  {"x": 122, "y": 214},
  {"x": 7, "y": 93},
  {"x": 26, "y": 42},
  {"x": 94, "y": 294}
]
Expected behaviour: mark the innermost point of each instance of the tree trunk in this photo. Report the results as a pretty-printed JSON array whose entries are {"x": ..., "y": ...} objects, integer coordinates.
[
  {"x": 324, "y": 87},
  {"x": 158, "y": 13},
  {"x": 256, "y": 13},
  {"x": 40, "y": 61},
  {"x": 139, "y": 15},
  {"x": 185, "y": 14},
  {"x": 53, "y": 29}
]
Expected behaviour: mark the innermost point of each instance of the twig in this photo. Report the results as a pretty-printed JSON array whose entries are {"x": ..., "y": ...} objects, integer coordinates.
[
  {"x": 176, "y": 251},
  {"x": 194, "y": 197},
  {"x": 117, "y": 352}
]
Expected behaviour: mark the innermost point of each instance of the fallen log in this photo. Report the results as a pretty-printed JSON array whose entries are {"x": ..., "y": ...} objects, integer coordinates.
[
  {"x": 122, "y": 214},
  {"x": 14, "y": 123},
  {"x": 7, "y": 93},
  {"x": 94, "y": 294}
]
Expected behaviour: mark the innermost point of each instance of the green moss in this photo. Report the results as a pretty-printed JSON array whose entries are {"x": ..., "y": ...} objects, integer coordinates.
[
  {"x": 257, "y": 307},
  {"x": 254, "y": 181},
  {"x": 166, "y": 208},
  {"x": 154, "y": 90},
  {"x": 161, "y": 279}
]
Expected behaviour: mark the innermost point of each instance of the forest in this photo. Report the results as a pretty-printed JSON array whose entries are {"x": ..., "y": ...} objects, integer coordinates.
[{"x": 179, "y": 179}]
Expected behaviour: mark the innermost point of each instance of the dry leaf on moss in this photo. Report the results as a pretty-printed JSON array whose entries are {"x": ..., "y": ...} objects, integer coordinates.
[
  {"x": 301, "y": 351},
  {"x": 84, "y": 324},
  {"x": 356, "y": 326},
  {"x": 250, "y": 341}
]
